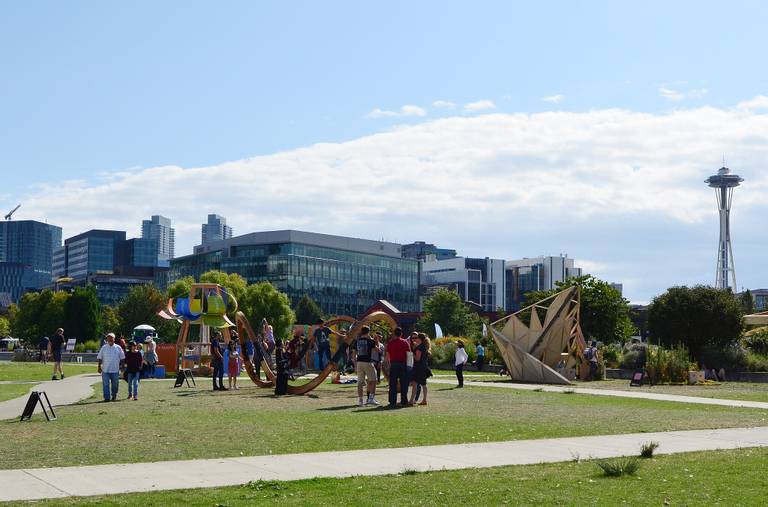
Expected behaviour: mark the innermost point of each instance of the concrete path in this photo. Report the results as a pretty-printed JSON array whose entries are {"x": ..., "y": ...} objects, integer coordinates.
[
  {"x": 60, "y": 392},
  {"x": 32, "y": 484},
  {"x": 644, "y": 395}
]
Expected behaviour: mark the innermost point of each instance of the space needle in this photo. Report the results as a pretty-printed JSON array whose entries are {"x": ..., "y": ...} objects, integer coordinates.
[{"x": 724, "y": 182}]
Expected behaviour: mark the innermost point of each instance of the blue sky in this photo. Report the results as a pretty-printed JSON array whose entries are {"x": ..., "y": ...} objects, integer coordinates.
[{"x": 102, "y": 92}]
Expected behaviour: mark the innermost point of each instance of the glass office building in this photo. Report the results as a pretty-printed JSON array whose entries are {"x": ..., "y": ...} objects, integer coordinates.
[
  {"x": 345, "y": 276},
  {"x": 26, "y": 252}
]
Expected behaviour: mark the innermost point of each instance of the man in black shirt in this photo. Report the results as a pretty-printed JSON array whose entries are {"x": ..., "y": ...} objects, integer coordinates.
[
  {"x": 54, "y": 348},
  {"x": 43, "y": 347},
  {"x": 366, "y": 370},
  {"x": 217, "y": 362}
]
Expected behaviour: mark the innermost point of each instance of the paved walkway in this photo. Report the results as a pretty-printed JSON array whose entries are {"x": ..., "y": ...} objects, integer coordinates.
[
  {"x": 31, "y": 484},
  {"x": 60, "y": 392},
  {"x": 645, "y": 395}
]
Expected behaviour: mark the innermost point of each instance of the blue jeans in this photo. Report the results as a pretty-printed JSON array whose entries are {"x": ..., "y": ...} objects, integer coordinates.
[
  {"x": 133, "y": 383},
  {"x": 110, "y": 380},
  {"x": 323, "y": 352}
]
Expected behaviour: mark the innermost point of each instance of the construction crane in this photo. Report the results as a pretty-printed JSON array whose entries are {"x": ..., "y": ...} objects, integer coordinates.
[{"x": 10, "y": 213}]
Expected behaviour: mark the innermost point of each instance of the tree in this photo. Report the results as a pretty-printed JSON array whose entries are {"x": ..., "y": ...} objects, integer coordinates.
[
  {"x": 234, "y": 283},
  {"x": 39, "y": 314},
  {"x": 747, "y": 302},
  {"x": 263, "y": 300},
  {"x": 698, "y": 317},
  {"x": 180, "y": 288},
  {"x": 140, "y": 306},
  {"x": 82, "y": 314},
  {"x": 307, "y": 311},
  {"x": 447, "y": 309},
  {"x": 5, "y": 327},
  {"x": 110, "y": 320},
  {"x": 604, "y": 312}
]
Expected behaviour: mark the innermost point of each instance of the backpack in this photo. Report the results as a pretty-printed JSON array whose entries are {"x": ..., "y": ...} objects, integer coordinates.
[{"x": 589, "y": 354}]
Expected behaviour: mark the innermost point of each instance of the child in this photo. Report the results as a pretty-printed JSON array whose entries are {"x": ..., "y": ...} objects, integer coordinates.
[
  {"x": 233, "y": 365},
  {"x": 133, "y": 364}
]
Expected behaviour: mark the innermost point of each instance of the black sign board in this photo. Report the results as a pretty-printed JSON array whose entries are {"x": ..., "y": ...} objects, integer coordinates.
[
  {"x": 36, "y": 397},
  {"x": 637, "y": 378},
  {"x": 184, "y": 375}
]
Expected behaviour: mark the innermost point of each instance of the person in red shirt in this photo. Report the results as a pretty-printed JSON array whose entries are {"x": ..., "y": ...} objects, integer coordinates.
[
  {"x": 396, "y": 354},
  {"x": 121, "y": 341}
]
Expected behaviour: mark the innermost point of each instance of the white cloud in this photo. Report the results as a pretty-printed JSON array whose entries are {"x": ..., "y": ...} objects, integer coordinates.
[
  {"x": 623, "y": 189},
  {"x": 443, "y": 104},
  {"x": 755, "y": 104},
  {"x": 554, "y": 98},
  {"x": 406, "y": 110},
  {"x": 480, "y": 105},
  {"x": 675, "y": 95}
]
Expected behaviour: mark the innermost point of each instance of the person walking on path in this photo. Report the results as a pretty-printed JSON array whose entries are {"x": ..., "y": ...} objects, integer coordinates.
[
  {"x": 366, "y": 371},
  {"x": 420, "y": 367},
  {"x": 217, "y": 363},
  {"x": 396, "y": 355},
  {"x": 133, "y": 365},
  {"x": 150, "y": 355},
  {"x": 460, "y": 359},
  {"x": 111, "y": 360},
  {"x": 480, "y": 352},
  {"x": 43, "y": 347},
  {"x": 54, "y": 350},
  {"x": 120, "y": 341},
  {"x": 233, "y": 364}
]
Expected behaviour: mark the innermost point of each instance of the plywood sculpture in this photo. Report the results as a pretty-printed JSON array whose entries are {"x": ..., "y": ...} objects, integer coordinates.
[
  {"x": 207, "y": 305},
  {"x": 542, "y": 352}
]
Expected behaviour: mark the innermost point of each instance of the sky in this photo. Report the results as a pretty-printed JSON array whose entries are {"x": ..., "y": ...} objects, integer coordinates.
[{"x": 500, "y": 129}]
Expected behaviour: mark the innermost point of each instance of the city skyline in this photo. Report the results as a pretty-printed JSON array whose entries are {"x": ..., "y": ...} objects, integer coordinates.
[{"x": 497, "y": 142}]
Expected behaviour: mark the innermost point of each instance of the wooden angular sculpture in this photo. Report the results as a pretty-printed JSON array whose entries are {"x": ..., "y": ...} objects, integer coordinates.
[{"x": 532, "y": 352}]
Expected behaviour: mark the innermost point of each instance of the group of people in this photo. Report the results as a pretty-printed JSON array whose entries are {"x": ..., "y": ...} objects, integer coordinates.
[{"x": 130, "y": 359}]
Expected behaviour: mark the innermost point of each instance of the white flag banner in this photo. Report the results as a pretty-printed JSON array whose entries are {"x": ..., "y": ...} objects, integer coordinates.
[
  {"x": 438, "y": 331},
  {"x": 485, "y": 330}
]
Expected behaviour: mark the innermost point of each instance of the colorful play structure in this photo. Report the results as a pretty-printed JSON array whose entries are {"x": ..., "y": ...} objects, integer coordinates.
[
  {"x": 207, "y": 306},
  {"x": 549, "y": 351}
]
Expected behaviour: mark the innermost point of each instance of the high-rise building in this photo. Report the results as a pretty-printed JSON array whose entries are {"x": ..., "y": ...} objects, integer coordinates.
[
  {"x": 215, "y": 230},
  {"x": 421, "y": 251},
  {"x": 26, "y": 256},
  {"x": 159, "y": 228},
  {"x": 476, "y": 280},
  {"x": 537, "y": 273},
  {"x": 345, "y": 276},
  {"x": 724, "y": 182}
]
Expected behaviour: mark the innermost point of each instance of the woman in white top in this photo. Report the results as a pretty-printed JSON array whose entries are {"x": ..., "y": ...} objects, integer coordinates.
[{"x": 461, "y": 359}]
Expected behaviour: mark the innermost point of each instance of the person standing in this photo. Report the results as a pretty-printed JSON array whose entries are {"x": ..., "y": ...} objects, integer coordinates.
[
  {"x": 150, "y": 355},
  {"x": 480, "y": 352},
  {"x": 217, "y": 362},
  {"x": 233, "y": 364},
  {"x": 111, "y": 360},
  {"x": 366, "y": 371},
  {"x": 43, "y": 347},
  {"x": 420, "y": 367},
  {"x": 133, "y": 366},
  {"x": 54, "y": 350},
  {"x": 460, "y": 359},
  {"x": 377, "y": 355},
  {"x": 281, "y": 369},
  {"x": 396, "y": 354},
  {"x": 120, "y": 341},
  {"x": 591, "y": 355}
]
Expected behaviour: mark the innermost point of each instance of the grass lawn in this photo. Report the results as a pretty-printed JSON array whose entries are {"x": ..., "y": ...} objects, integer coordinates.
[
  {"x": 10, "y": 391},
  {"x": 705, "y": 478},
  {"x": 748, "y": 391},
  {"x": 167, "y": 424},
  {"x": 11, "y": 370}
]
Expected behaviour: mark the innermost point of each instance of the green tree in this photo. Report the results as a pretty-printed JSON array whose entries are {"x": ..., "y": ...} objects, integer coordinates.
[
  {"x": 110, "y": 320},
  {"x": 307, "y": 311},
  {"x": 234, "y": 283},
  {"x": 140, "y": 306},
  {"x": 263, "y": 300},
  {"x": 5, "y": 327},
  {"x": 39, "y": 314},
  {"x": 180, "y": 288},
  {"x": 447, "y": 309},
  {"x": 604, "y": 313},
  {"x": 82, "y": 314},
  {"x": 747, "y": 302},
  {"x": 697, "y": 317}
]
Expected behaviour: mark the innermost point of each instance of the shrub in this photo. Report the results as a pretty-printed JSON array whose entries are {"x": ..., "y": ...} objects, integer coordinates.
[
  {"x": 647, "y": 449},
  {"x": 755, "y": 362},
  {"x": 612, "y": 355},
  {"x": 634, "y": 355},
  {"x": 668, "y": 365},
  {"x": 619, "y": 467},
  {"x": 757, "y": 341}
]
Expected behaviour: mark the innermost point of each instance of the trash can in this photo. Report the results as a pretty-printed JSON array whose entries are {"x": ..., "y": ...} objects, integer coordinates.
[{"x": 159, "y": 371}]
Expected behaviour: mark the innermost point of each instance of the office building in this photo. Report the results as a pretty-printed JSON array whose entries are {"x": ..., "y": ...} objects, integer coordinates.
[
  {"x": 422, "y": 251},
  {"x": 109, "y": 262},
  {"x": 477, "y": 281},
  {"x": 215, "y": 230},
  {"x": 537, "y": 273},
  {"x": 26, "y": 256},
  {"x": 345, "y": 276},
  {"x": 159, "y": 228}
]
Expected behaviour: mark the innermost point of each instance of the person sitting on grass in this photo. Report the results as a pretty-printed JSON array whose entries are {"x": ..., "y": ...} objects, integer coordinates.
[
  {"x": 111, "y": 360},
  {"x": 133, "y": 366},
  {"x": 233, "y": 364}
]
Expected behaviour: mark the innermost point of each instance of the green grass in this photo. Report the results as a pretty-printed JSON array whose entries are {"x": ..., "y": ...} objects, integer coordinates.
[
  {"x": 167, "y": 424},
  {"x": 747, "y": 391},
  {"x": 10, "y": 370},
  {"x": 11, "y": 391},
  {"x": 706, "y": 478}
]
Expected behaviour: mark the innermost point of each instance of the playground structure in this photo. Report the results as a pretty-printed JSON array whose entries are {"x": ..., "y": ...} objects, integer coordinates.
[
  {"x": 207, "y": 306},
  {"x": 548, "y": 352}
]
